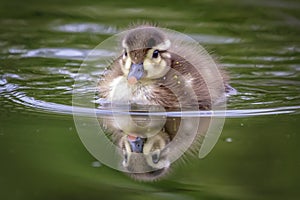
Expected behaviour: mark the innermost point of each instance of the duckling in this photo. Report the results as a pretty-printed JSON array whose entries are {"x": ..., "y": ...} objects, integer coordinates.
[{"x": 159, "y": 70}]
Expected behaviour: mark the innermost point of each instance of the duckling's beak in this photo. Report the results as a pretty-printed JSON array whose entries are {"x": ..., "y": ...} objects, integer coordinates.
[
  {"x": 136, "y": 143},
  {"x": 136, "y": 72}
]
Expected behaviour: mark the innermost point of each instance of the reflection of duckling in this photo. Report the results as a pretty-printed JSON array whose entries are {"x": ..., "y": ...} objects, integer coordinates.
[
  {"x": 149, "y": 158},
  {"x": 157, "y": 69}
]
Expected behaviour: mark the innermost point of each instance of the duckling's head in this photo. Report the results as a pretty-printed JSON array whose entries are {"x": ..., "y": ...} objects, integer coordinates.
[
  {"x": 145, "y": 54},
  {"x": 146, "y": 158}
]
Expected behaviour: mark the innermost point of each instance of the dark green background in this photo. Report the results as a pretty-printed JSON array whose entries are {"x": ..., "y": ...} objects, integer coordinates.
[{"x": 41, "y": 154}]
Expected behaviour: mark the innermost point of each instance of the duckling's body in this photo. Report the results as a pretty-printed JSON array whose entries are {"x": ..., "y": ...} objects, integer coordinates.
[
  {"x": 176, "y": 70},
  {"x": 158, "y": 69}
]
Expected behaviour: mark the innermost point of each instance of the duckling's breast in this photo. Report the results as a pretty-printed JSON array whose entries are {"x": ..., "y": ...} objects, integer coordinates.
[{"x": 123, "y": 92}]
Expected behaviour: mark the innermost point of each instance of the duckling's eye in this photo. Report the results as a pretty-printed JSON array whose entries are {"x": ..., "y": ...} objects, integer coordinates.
[
  {"x": 125, "y": 53},
  {"x": 155, "y": 54}
]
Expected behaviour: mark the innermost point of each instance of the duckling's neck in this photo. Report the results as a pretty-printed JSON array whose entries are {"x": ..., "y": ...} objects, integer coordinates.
[{"x": 122, "y": 91}]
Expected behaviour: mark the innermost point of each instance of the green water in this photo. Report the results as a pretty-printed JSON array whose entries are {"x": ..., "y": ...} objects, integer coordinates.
[{"x": 42, "y": 45}]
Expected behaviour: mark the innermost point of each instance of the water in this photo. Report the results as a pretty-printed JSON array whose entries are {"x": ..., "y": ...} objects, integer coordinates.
[{"x": 42, "y": 45}]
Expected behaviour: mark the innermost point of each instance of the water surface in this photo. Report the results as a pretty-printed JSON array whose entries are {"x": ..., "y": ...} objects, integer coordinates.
[{"x": 42, "y": 45}]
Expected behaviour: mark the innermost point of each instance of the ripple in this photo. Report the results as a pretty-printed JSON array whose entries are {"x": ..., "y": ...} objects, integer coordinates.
[
  {"x": 14, "y": 88},
  {"x": 284, "y": 74},
  {"x": 86, "y": 28},
  {"x": 212, "y": 39},
  {"x": 104, "y": 29},
  {"x": 43, "y": 106},
  {"x": 263, "y": 58},
  {"x": 67, "y": 53}
]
